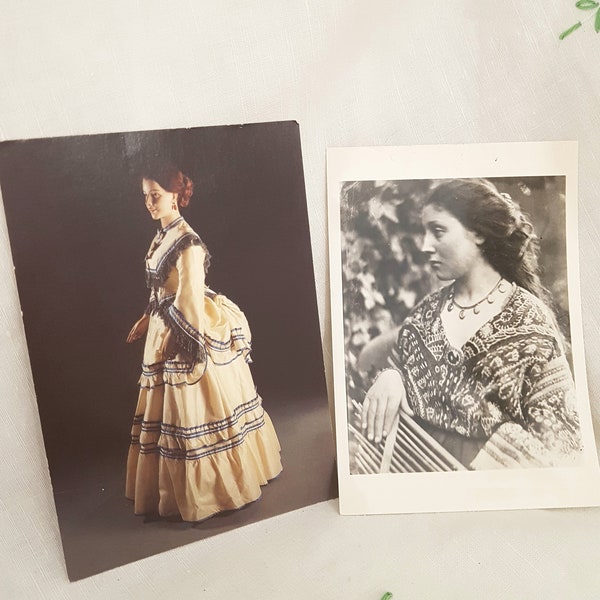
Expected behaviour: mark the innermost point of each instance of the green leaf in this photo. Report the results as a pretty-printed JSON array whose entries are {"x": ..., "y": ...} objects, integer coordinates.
[
  {"x": 587, "y": 4},
  {"x": 569, "y": 31},
  {"x": 597, "y": 22}
]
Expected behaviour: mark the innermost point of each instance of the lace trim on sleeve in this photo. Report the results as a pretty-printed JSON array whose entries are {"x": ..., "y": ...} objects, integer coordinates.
[{"x": 187, "y": 338}]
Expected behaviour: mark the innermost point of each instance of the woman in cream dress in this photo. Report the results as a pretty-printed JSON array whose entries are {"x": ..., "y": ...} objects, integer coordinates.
[{"x": 201, "y": 442}]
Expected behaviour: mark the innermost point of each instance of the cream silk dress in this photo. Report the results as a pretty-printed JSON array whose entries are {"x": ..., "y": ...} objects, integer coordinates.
[{"x": 201, "y": 441}]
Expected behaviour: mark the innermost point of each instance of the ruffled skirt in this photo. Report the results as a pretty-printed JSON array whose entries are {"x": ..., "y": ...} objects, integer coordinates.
[{"x": 201, "y": 442}]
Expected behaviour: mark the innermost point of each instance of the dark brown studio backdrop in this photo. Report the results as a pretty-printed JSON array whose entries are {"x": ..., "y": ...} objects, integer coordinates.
[{"x": 79, "y": 232}]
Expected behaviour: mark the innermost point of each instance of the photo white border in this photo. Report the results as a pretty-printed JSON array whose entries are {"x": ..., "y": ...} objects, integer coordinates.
[{"x": 468, "y": 490}]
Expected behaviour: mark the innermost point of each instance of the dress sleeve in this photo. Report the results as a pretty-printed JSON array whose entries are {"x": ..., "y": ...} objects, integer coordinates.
[
  {"x": 151, "y": 304},
  {"x": 186, "y": 315},
  {"x": 550, "y": 434}
]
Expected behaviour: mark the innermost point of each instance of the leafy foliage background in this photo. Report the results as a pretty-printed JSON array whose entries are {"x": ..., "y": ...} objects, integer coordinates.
[{"x": 385, "y": 274}]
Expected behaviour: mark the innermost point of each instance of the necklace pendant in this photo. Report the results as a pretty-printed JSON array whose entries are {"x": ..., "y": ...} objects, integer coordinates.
[{"x": 474, "y": 307}]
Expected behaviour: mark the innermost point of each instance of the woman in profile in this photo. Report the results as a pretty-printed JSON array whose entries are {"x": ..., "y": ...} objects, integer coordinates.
[
  {"x": 481, "y": 363},
  {"x": 201, "y": 441}
]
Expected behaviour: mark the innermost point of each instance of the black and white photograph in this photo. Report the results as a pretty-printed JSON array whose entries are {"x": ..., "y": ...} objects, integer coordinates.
[
  {"x": 457, "y": 319},
  {"x": 168, "y": 299}
]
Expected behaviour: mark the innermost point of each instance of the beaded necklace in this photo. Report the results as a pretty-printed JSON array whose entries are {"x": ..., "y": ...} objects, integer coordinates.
[{"x": 474, "y": 307}]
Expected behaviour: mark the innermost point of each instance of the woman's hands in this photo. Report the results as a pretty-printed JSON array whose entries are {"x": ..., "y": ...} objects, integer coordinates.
[
  {"x": 139, "y": 328},
  {"x": 166, "y": 349},
  {"x": 385, "y": 398}
]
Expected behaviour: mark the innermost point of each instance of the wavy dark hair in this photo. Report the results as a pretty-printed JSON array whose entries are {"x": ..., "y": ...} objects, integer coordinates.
[
  {"x": 510, "y": 244},
  {"x": 170, "y": 178}
]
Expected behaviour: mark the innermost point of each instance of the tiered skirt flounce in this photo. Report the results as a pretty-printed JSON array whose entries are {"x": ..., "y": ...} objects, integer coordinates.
[{"x": 201, "y": 442}]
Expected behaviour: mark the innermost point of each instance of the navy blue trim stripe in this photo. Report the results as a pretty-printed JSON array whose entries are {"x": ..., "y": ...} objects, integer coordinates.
[
  {"x": 225, "y": 344},
  {"x": 161, "y": 368},
  {"x": 170, "y": 225},
  {"x": 197, "y": 430},
  {"x": 169, "y": 366},
  {"x": 206, "y": 450},
  {"x": 164, "y": 383},
  {"x": 208, "y": 428}
]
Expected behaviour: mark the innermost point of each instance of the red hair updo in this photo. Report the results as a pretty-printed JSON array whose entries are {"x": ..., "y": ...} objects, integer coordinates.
[{"x": 171, "y": 179}]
